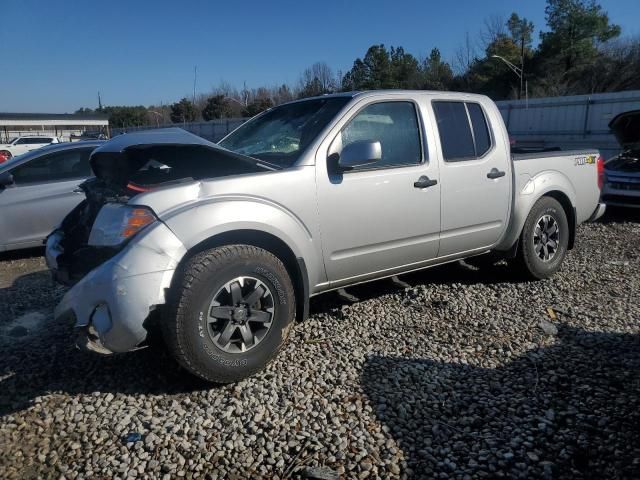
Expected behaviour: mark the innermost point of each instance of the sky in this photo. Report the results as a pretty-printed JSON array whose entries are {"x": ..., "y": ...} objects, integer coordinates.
[{"x": 56, "y": 56}]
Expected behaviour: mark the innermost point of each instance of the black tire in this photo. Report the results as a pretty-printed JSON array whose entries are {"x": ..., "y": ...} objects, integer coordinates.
[
  {"x": 186, "y": 328},
  {"x": 529, "y": 259}
]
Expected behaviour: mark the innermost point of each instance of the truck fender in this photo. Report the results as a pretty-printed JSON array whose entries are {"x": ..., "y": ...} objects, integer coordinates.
[
  {"x": 219, "y": 218},
  {"x": 528, "y": 191}
]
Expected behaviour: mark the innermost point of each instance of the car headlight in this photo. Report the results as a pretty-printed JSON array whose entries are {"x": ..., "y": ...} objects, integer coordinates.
[{"x": 116, "y": 223}]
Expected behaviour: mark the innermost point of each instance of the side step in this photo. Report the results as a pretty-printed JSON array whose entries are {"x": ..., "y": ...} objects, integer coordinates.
[
  {"x": 399, "y": 283},
  {"x": 347, "y": 297}
]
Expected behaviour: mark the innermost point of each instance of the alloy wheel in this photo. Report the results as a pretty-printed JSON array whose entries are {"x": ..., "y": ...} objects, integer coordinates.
[{"x": 240, "y": 314}]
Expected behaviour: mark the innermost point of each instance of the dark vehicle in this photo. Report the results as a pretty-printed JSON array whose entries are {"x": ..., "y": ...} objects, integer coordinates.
[{"x": 622, "y": 185}]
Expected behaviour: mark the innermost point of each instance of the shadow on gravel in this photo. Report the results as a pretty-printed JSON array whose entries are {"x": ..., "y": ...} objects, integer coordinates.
[
  {"x": 42, "y": 359},
  {"x": 22, "y": 253},
  {"x": 565, "y": 411},
  {"x": 455, "y": 272},
  {"x": 621, "y": 215}
]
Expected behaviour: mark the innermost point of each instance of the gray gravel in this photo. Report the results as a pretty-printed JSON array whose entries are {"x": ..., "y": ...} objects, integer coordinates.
[{"x": 465, "y": 374}]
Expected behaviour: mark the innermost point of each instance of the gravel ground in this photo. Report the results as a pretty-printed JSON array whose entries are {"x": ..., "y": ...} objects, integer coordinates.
[{"x": 463, "y": 375}]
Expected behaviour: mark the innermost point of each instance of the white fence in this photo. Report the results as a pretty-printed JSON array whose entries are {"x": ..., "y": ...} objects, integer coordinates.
[
  {"x": 213, "y": 130},
  {"x": 572, "y": 122},
  {"x": 579, "y": 121}
]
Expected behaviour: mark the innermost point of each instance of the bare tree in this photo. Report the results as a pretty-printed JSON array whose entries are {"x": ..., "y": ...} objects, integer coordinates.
[
  {"x": 465, "y": 56},
  {"x": 494, "y": 29},
  {"x": 319, "y": 74}
]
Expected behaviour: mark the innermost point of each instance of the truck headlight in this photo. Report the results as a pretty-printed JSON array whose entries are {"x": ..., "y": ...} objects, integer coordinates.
[{"x": 116, "y": 223}]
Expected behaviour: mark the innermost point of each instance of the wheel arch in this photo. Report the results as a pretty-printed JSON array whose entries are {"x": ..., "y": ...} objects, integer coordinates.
[
  {"x": 569, "y": 211},
  {"x": 295, "y": 265}
]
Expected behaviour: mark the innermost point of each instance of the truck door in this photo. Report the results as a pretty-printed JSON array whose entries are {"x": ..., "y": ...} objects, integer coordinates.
[
  {"x": 385, "y": 215},
  {"x": 475, "y": 174}
]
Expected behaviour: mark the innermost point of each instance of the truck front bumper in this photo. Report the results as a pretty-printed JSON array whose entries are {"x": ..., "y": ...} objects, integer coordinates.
[{"x": 112, "y": 302}]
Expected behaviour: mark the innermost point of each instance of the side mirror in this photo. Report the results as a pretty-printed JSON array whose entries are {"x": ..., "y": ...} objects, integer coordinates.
[
  {"x": 361, "y": 153},
  {"x": 6, "y": 179}
]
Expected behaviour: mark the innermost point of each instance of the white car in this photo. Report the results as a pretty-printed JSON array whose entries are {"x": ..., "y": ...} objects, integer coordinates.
[{"x": 20, "y": 145}]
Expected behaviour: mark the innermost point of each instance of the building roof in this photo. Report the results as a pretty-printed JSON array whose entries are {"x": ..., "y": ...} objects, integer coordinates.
[{"x": 8, "y": 118}]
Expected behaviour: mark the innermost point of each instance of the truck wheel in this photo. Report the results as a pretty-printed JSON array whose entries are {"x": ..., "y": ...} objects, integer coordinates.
[
  {"x": 544, "y": 239},
  {"x": 231, "y": 313}
]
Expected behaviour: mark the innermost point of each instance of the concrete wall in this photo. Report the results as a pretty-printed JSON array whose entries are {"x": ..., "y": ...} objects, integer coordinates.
[
  {"x": 578, "y": 121},
  {"x": 213, "y": 130}
]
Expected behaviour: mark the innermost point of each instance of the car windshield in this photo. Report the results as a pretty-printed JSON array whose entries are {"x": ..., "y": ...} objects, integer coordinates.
[{"x": 282, "y": 134}]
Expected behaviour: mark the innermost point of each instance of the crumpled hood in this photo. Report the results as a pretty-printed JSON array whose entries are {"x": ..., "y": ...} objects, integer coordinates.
[
  {"x": 186, "y": 154},
  {"x": 626, "y": 128}
]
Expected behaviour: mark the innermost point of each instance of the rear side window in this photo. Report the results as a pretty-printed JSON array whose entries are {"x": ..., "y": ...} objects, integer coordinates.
[
  {"x": 480, "y": 129},
  {"x": 464, "y": 131},
  {"x": 394, "y": 125},
  {"x": 54, "y": 167}
]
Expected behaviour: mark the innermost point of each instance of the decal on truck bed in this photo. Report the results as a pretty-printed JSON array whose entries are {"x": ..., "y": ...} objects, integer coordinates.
[{"x": 585, "y": 160}]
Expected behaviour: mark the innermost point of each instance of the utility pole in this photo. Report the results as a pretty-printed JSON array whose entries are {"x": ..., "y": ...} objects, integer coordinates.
[
  {"x": 521, "y": 65},
  {"x": 195, "y": 76}
]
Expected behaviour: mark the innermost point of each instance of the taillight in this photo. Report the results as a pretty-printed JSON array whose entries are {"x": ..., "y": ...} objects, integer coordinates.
[
  {"x": 600, "y": 167},
  {"x": 4, "y": 156}
]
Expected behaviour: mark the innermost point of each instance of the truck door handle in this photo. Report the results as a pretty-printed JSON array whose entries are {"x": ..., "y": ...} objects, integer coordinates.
[
  {"x": 424, "y": 182},
  {"x": 495, "y": 173}
]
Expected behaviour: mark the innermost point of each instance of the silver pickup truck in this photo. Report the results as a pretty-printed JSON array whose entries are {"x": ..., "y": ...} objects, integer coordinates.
[{"x": 223, "y": 245}]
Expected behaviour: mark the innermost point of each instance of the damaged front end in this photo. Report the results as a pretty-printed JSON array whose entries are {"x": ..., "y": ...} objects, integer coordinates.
[
  {"x": 114, "y": 251},
  {"x": 622, "y": 186}
]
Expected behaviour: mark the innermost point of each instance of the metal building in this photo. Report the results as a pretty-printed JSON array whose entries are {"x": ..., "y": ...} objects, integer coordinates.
[
  {"x": 578, "y": 121},
  {"x": 66, "y": 126}
]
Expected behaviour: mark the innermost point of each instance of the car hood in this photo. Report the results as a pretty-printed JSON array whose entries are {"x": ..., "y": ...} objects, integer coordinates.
[
  {"x": 180, "y": 153},
  {"x": 626, "y": 128}
]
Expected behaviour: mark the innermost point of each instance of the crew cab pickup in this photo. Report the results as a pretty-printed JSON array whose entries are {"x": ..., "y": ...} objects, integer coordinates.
[{"x": 223, "y": 245}]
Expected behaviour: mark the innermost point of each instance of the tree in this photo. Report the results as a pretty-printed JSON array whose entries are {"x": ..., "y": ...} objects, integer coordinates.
[
  {"x": 183, "y": 111},
  {"x": 318, "y": 79},
  {"x": 405, "y": 69},
  {"x": 576, "y": 29},
  {"x": 258, "y": 105},
  {"x": 521, "y": 31},
  {"x": 382, "y": 68},
  {"x": 217, "y": 106},
  {"x": 437, "y": 73},
  {"x": 83, "y": 111},
  {"x": 125, "y": 116}
]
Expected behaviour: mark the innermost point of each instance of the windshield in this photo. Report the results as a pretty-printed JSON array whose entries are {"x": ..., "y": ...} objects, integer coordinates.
[{"x": 281, "y": 135}]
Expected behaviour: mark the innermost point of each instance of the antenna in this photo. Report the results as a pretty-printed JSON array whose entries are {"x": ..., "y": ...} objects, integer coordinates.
[{"x": 99, "y": 101}]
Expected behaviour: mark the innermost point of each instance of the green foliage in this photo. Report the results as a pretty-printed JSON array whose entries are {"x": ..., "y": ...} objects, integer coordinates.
[
  {"x": 437, "y": 73},
  {"x": 382, "y": 68},
  {"x": 83, "y": 111},
  {"x": 125, "y": 116},
  {"x": 576, "y": 29},
  {"x": 521, "y": 31},
  {"x": 183, "y": 111},
  {"x": 257, "y": 106},
  {"x": 217, "y": 106}
]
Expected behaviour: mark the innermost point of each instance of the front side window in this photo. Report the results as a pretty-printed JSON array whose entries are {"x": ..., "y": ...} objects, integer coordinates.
[
  {"x": 394, "y": 125},
  {"x": 464, "y": 132},
  {"x": 53, "y": 167},
  {"x": 281, "y": 135}
]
